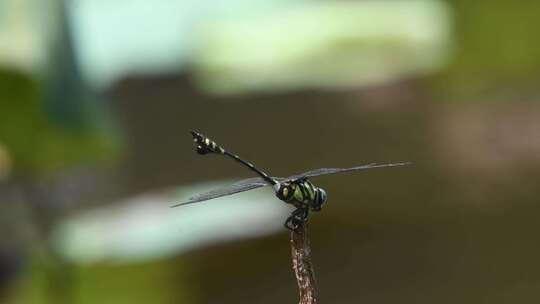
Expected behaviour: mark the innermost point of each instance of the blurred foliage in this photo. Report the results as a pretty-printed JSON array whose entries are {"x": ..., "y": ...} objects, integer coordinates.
[
  {"x": 329, "y": 45},
  {"x": 36, "y": 143},
  {"x": 46, "y": 282},
  {"x": 495, "y": 46}
]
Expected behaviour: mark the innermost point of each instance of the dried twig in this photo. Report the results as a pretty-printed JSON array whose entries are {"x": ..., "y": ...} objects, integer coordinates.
[{"x": 303, "y": 268}]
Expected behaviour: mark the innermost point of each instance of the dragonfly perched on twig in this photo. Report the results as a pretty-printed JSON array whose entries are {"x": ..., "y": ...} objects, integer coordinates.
[{"x": 295, "y": 190}]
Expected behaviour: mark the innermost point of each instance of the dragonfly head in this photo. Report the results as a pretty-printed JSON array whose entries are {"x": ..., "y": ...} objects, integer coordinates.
[{"x": 320, "y": 199}]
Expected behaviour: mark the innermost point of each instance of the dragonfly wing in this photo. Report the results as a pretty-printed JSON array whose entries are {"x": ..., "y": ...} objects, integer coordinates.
[
  {"x": 241, "y": 186},
  {"x": 324, "y": 171}
]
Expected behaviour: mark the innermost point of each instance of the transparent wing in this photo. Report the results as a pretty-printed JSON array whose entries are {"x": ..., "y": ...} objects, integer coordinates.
[
  {"x": 241, "y": 186},
  {"x": 257, "y": 182},
  {"x": 324, "y": 171}
]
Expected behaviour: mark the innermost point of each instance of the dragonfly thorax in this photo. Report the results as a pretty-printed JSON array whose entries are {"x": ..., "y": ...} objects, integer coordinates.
[{"x": 301, "y": 193}]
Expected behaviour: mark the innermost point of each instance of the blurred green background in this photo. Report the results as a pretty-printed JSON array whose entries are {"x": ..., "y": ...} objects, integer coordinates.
[{"x": 96, "y": 98}]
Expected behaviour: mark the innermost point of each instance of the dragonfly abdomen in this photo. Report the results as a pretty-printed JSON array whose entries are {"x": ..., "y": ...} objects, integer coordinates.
[{"x": 205, "y": 145}]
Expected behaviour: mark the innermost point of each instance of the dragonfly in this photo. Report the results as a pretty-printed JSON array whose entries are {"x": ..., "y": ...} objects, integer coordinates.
[{"x": 296, "y": 190}]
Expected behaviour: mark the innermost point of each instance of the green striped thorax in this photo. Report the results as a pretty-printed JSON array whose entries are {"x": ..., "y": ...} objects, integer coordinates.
[
  {"x": 205, "y": 145},
  {"x": 301, "y": 193}
]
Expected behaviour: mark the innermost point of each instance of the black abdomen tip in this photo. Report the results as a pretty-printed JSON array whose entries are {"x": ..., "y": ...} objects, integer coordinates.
[
  {"x": 195, "y": 134},
  {"x": 204, "y": 144}
]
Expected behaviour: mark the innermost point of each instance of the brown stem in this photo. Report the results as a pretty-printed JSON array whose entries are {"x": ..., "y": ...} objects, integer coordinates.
[{"x": 303, "y": 268}]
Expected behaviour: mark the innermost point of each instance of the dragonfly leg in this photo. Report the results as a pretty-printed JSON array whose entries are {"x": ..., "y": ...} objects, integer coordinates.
[{"x": 297, "y": 218}]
